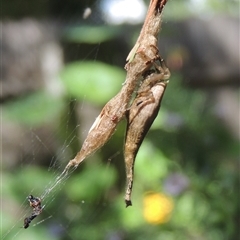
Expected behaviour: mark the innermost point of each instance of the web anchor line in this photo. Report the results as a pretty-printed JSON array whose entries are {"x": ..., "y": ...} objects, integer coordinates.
[{"x": 61, "y": 178}]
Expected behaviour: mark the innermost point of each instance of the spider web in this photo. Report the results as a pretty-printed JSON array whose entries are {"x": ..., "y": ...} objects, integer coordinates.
[{"x": 48, "y": 190}]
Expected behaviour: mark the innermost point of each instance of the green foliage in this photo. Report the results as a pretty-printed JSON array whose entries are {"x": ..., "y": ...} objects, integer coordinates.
[
  {"x": 93, "y": 81},
  {"x": 183, "y": 9},
  {"x": 90, "y": 186},
  {"x": 34, "y": 109},
  {"x": 90, "y": 34},
  {"x": 148, "y": 161}
]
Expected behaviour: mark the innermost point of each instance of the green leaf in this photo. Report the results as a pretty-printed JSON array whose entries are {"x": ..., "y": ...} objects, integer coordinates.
[
  {"x": 34, "y": 109},
  {"x": 90, "y": 34},
  {"x": 150, "y": 160},
  {"x": 94, "y": 81},
  {"x": 91, "y": 183}
]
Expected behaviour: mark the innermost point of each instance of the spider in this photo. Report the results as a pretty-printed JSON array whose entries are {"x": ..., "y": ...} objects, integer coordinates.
[{"x": 35, "y": 203}]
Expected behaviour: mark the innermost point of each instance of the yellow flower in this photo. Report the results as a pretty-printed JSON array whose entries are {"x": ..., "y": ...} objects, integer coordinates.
[{"x": 157, "y": 208}]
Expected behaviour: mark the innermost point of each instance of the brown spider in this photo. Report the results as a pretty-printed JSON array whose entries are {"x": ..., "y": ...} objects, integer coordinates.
[{"x": 35, "y": 203}]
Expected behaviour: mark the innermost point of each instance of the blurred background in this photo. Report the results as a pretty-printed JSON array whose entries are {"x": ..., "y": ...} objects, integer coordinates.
[{"x": 61, "y": 61}]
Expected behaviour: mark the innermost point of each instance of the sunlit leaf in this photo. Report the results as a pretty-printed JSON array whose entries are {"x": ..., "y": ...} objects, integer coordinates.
[
  {"x": 33, "y": 109},
  {"x": 151, "y": 164},
  {"x": 91, "y": 183},
  {"x": 94, "y": 81}
]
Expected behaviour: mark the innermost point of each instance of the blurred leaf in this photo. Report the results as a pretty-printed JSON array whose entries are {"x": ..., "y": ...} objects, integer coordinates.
[
  {"x": 188, "y": 106},
  {"x": 91, "y": 183},
  {"x": 183, "y": 9},
  {"x": 8, "y": 201},
  {"x": 36, "y": 233},
  {"x": 32, "y": 178},
  {"x": 33, "y": 109},
  {"x": 94, "y": 81},
  {"x": 151, "y": 165},
  {"x": 132, "y": 217},
  {"x": 191, "y": 208},
  {"x": 91, "y": 34}
]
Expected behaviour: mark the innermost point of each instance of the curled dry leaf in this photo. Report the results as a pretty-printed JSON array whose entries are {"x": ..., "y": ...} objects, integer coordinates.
[
  {"x": 140, "y": 117},
  {"x": 140, "y": 61}
]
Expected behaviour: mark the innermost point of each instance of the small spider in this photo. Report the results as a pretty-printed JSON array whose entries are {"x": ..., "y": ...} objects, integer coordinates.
[{"x": 35, "y": 203}]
